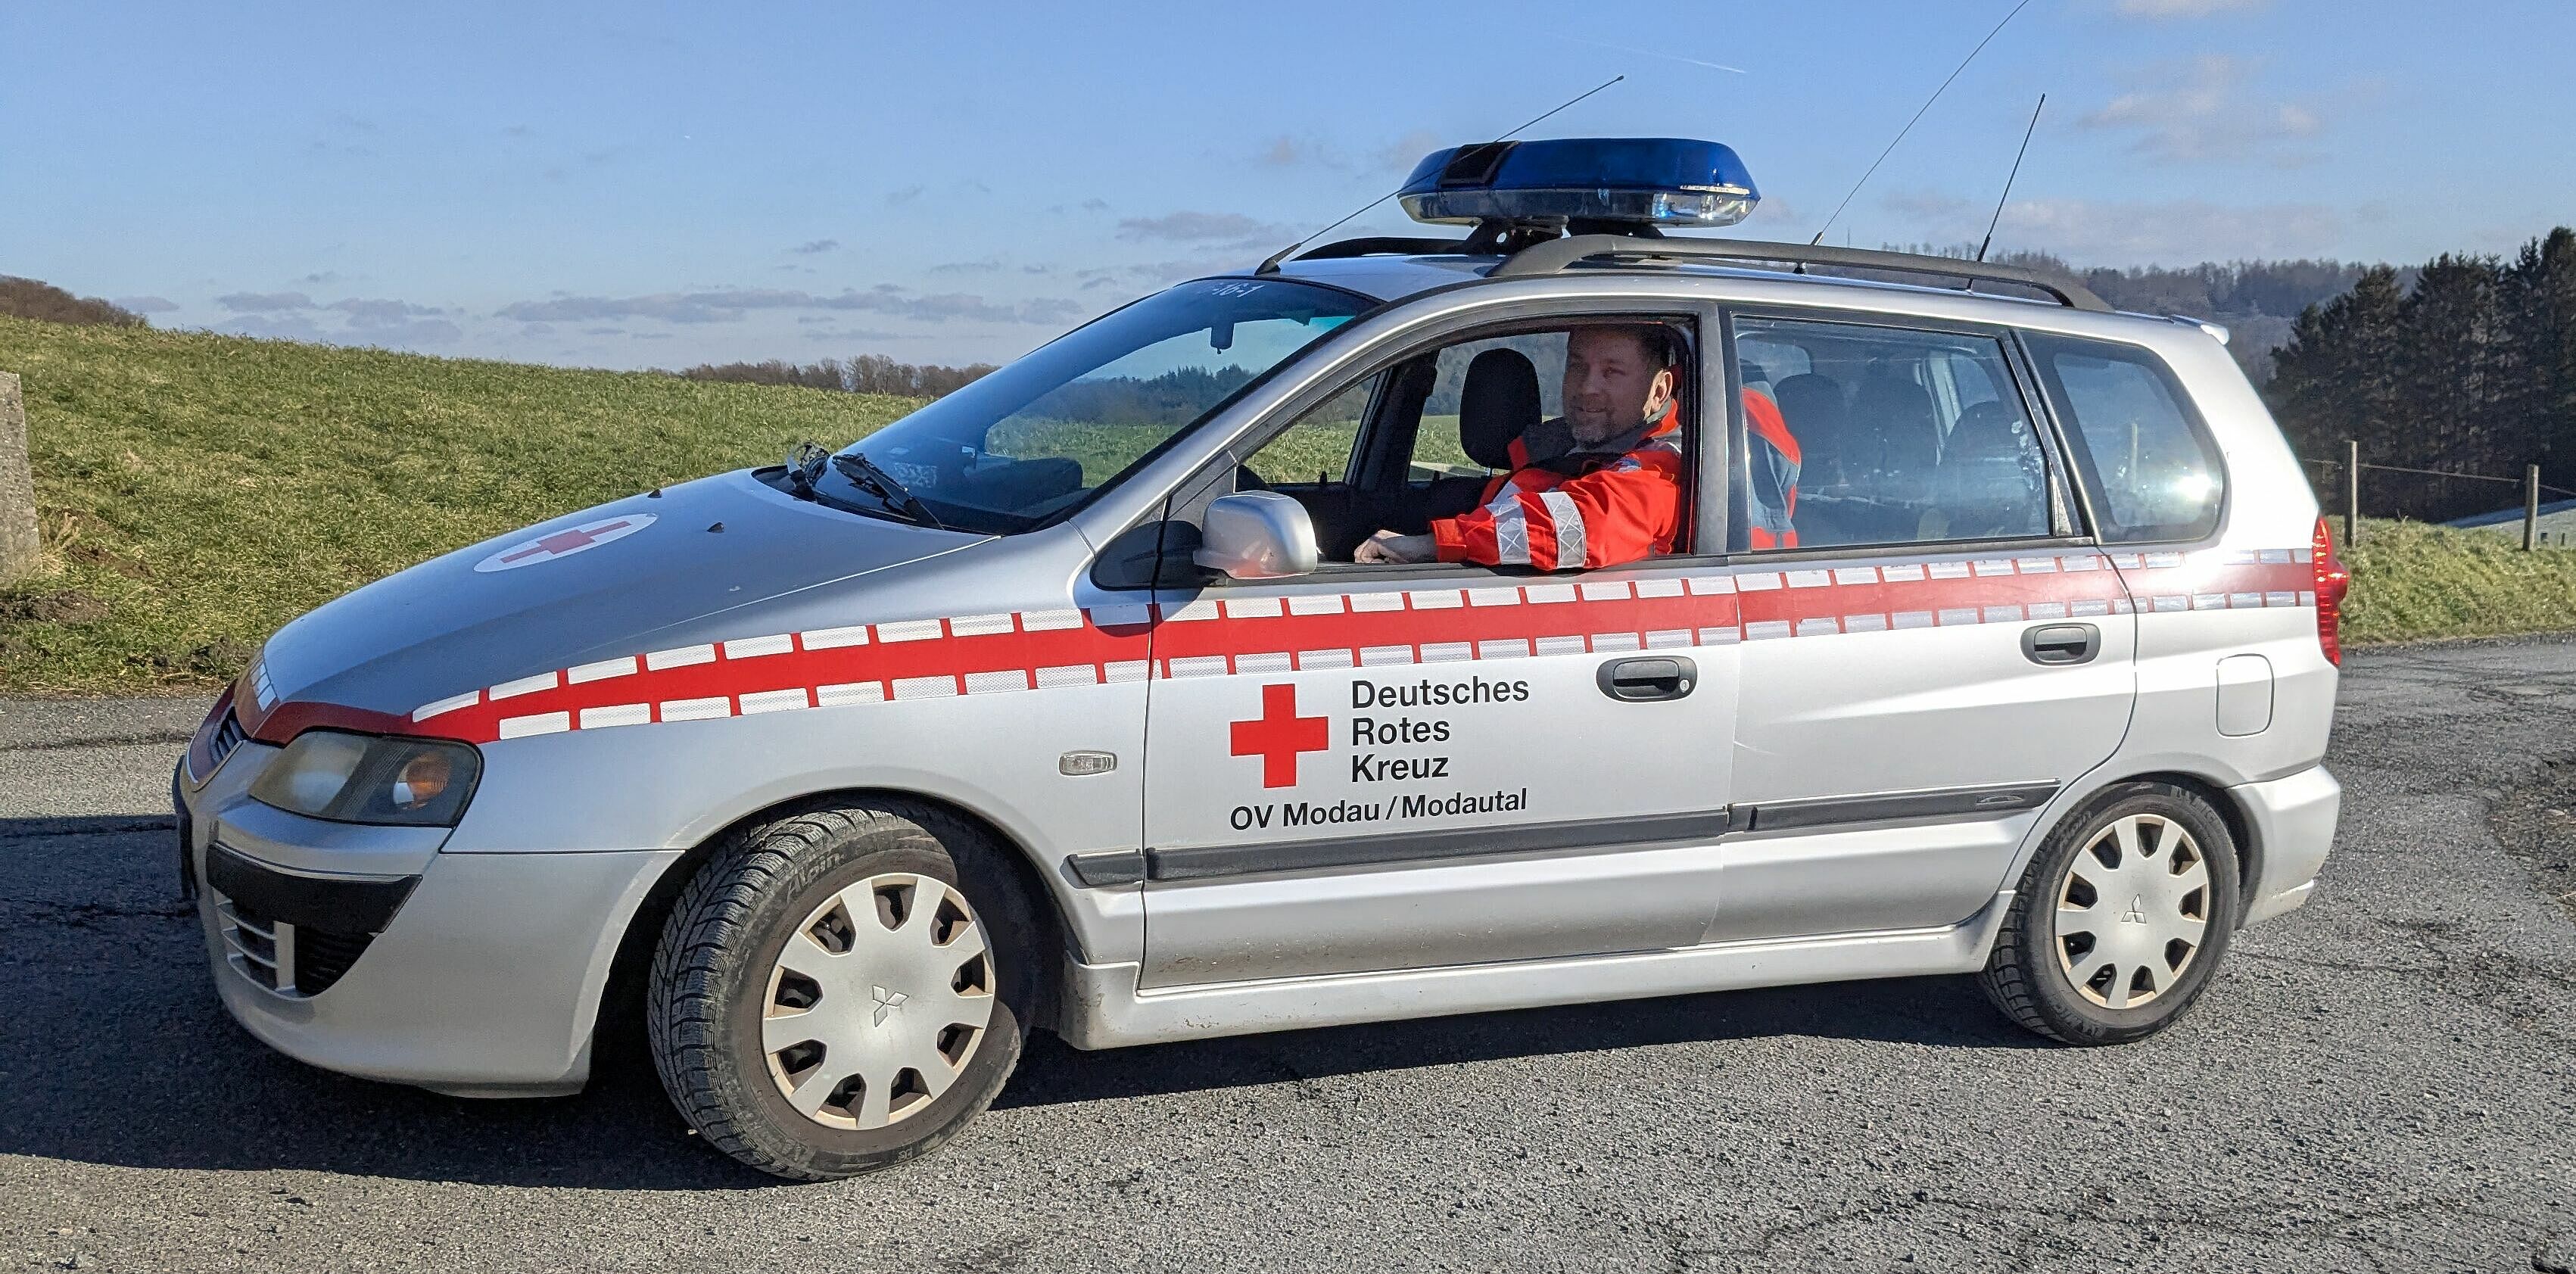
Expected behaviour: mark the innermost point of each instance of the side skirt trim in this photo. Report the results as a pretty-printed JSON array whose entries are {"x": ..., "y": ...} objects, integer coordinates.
[
  {"x": 1993, "y": 800},
  {"x": 1104, "y": 1009}
]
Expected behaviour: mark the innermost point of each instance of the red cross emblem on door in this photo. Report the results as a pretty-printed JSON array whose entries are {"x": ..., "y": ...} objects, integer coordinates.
[{"x": 1279, "y": 736}]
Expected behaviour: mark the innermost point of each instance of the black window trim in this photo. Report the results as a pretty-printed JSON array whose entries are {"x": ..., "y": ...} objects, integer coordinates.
[
  {"x": 2088, "y": 480},
  {"x": 2078, "y": 533}
]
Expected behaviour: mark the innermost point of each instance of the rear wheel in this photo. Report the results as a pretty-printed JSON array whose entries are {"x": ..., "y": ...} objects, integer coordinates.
[
  {"x": 841, "y": 989},
  {"x": 2120, "y": 921}
]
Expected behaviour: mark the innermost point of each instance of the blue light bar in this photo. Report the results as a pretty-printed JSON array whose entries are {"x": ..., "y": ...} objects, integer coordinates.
[{"x": 1668, "y": 181}]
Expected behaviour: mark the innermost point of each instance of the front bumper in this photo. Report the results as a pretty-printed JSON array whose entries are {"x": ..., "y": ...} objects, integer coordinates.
[
  {"x": 473, "y": 974},
  {"x": 2293, "y": 820}
]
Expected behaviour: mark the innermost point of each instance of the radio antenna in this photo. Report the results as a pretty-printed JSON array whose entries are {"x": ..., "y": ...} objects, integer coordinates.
[
  {"x": 2010, "y": 178},
  {"x": 1270, "y": 264},
  {"x": 1918, "y": 116}
]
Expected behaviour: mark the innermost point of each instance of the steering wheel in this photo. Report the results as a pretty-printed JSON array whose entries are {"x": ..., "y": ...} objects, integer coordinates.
[{"x": 1246, "y": 480}]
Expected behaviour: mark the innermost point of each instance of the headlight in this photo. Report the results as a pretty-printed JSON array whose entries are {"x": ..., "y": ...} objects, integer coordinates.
[{"x": 360, "y": 778}]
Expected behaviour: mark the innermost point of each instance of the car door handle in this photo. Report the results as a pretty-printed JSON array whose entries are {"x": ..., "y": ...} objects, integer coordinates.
[
  {"x": 2061, "y": 643},
  {"x": 1649, "y": 679}
]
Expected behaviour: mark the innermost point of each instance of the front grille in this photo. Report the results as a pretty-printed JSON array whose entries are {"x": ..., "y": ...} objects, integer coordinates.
[
  {"x": 253, "y": 944},
  {"x": 227, "y": 736},
  {"x": 286, "y": 958},
  {"x": 322, "y": 956}
]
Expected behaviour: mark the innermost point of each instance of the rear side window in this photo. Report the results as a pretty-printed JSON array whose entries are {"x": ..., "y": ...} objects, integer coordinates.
[
  {"x": 2153, "y": 472},
  {"x": 1859, "y": 435}
]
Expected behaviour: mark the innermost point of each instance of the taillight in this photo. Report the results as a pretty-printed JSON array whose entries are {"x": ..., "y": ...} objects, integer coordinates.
[{"x": 2333, "y": 581}]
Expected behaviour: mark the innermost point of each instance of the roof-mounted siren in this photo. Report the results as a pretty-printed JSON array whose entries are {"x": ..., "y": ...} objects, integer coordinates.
[{"x": 1586, "y": 185}]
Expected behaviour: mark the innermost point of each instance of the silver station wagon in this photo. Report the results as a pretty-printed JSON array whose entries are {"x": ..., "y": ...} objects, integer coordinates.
[{"x": 1562, "y": 612}]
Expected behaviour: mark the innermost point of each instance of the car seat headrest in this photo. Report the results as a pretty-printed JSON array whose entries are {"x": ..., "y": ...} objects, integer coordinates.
[
  {"x": 1498, "y": 403},
  {"x": 1985, "y": 430}
]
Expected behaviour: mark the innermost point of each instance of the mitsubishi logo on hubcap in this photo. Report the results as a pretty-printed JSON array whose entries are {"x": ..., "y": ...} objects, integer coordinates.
[
  {"x": 887, "y": 1002},
  {"x": 2137, "y": 912}
]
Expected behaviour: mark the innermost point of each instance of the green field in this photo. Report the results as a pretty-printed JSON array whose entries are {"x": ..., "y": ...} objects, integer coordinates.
[
  {"x": 2413, "y": 582},
  {"x": 197, "y": 491}
]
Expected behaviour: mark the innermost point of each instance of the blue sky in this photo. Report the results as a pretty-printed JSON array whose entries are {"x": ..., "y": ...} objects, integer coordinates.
[{"x": 643, "y": 184}]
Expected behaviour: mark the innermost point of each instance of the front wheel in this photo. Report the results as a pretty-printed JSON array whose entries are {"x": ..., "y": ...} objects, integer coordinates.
[
  {"x": 841, "y": 989},
  {"x": 2120, "y": 921}
]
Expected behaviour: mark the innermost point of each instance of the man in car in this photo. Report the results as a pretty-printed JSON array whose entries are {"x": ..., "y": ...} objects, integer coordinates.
[{"x": 1600, "y": 486}]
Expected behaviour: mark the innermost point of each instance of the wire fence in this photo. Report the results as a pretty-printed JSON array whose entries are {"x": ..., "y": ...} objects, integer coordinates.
[{"x": 2408, "y": 491}]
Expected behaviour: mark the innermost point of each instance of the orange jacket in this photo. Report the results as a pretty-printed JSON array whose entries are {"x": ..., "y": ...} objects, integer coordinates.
[
  {"x": 1610, "y": 509},
  {"x": 1773, "y": 470}
]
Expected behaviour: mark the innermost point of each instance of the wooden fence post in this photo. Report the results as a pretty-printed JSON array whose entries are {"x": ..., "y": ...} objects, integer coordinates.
[
  {"x": 2530, "y": 507},
  {"x": 2351, "y": 492},
  {"x": 19, "y": 546}
]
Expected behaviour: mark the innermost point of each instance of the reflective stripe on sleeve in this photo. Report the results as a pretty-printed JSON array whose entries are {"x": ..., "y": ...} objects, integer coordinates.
[
  {"x": 1562, "y": 510},
  {"x": 1511, "y": 530}
]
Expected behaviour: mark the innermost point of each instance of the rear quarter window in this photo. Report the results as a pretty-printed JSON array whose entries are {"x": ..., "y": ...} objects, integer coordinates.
[{"x": 2142, "y": 450}]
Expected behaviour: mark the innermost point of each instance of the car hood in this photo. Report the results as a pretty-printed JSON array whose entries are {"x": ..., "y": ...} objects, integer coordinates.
[{"x": 666, "y": 568}]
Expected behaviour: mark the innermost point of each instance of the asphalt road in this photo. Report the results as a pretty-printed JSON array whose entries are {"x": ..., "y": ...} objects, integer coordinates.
[{"x": 2385, "y": 1080}]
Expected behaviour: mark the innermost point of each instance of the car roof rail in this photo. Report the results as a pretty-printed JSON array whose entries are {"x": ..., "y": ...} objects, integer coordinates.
[
  {"x": 1377, "y": 245},
  {"x": 1560, "y": 254}
]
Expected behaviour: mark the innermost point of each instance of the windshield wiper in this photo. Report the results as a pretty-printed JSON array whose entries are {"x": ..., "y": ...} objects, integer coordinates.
[
  {"x": 804, "y": 461},
  {"x": 867, "y": 475}
]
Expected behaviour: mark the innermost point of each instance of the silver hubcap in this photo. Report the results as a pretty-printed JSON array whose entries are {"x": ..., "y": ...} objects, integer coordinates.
[
  {"x": 878, "y": 1002},
  {"x": 2132, "y": 911}
]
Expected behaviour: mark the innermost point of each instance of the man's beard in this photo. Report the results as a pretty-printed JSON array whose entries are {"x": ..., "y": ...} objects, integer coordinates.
[{"x": 1586, "y": 435}]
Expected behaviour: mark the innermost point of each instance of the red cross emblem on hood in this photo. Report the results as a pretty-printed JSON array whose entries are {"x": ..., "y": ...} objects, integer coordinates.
[
  {"x": 1279, "y": 736},
  {"x": 565, "y": 543}
]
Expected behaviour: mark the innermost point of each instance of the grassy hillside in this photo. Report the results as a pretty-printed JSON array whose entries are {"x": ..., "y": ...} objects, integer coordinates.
[
  {"x": 2411, "y": 582},
  {"x": 197, "y": 491}
]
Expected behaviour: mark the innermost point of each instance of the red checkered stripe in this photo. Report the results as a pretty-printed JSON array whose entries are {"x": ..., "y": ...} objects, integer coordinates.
[
  {"x": 1013, "y": 652},
  {"x": 2235, "y": 579}
]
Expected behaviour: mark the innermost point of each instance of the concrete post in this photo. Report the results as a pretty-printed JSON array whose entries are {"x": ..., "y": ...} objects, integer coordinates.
[
  {"x": 18, "y": 544},
  {"x": 2530, "y": 507}
]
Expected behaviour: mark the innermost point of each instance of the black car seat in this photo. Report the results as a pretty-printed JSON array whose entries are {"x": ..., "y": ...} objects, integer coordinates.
[
  {"x": 1497, "y": 403},
  {"x": 1812, "y": 406},
  {"x": 1896, "y": 431},
  {"x": 1990, "y": 485}
]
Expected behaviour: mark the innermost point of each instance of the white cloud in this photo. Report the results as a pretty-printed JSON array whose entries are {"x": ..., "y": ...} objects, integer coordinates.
[
  {"x": 264, "y": 302},
  {"x": 2199, "y": 110},
  {"x": 378, "y": 314},
  {"x": 387, "y": 323},
  {"x": 1404, "y": 152},
  {"x": 1232, "y": 228},
  {"x": 2166, "y": 10},
  {"x": 727, "y": 305},
  {"x": 2089, "y": 232},
  {"x": 1926, "y": 205}
]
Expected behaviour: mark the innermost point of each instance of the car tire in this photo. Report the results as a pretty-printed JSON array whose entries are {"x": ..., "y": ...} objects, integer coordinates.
[
  {"x": 2120, "y": 921},
  {"x": 896, "y": 1017}
]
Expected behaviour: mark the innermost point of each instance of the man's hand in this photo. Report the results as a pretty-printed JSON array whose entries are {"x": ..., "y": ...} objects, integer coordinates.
[{"x": 1389, "y": 547}]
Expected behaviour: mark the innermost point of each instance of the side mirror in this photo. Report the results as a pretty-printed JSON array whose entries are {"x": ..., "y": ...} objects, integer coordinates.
[{"x": 1256, "y": 535}]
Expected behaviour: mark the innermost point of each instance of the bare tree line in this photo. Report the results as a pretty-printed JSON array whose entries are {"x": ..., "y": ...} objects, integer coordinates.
[
  {"x": 32, "y": 299},
  {"x": 861, "y": 374}
]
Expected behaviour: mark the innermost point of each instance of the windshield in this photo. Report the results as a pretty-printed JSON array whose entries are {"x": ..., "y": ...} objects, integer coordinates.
[{"x": 1035, "y": 438}]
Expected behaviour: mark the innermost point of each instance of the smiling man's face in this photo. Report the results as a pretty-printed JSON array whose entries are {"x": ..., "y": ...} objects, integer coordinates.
[{"x": 1612, "y": 383}]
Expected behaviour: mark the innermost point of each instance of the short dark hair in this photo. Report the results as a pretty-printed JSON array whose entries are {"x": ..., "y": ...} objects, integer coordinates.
[{"x": 1655, "y": 339}]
